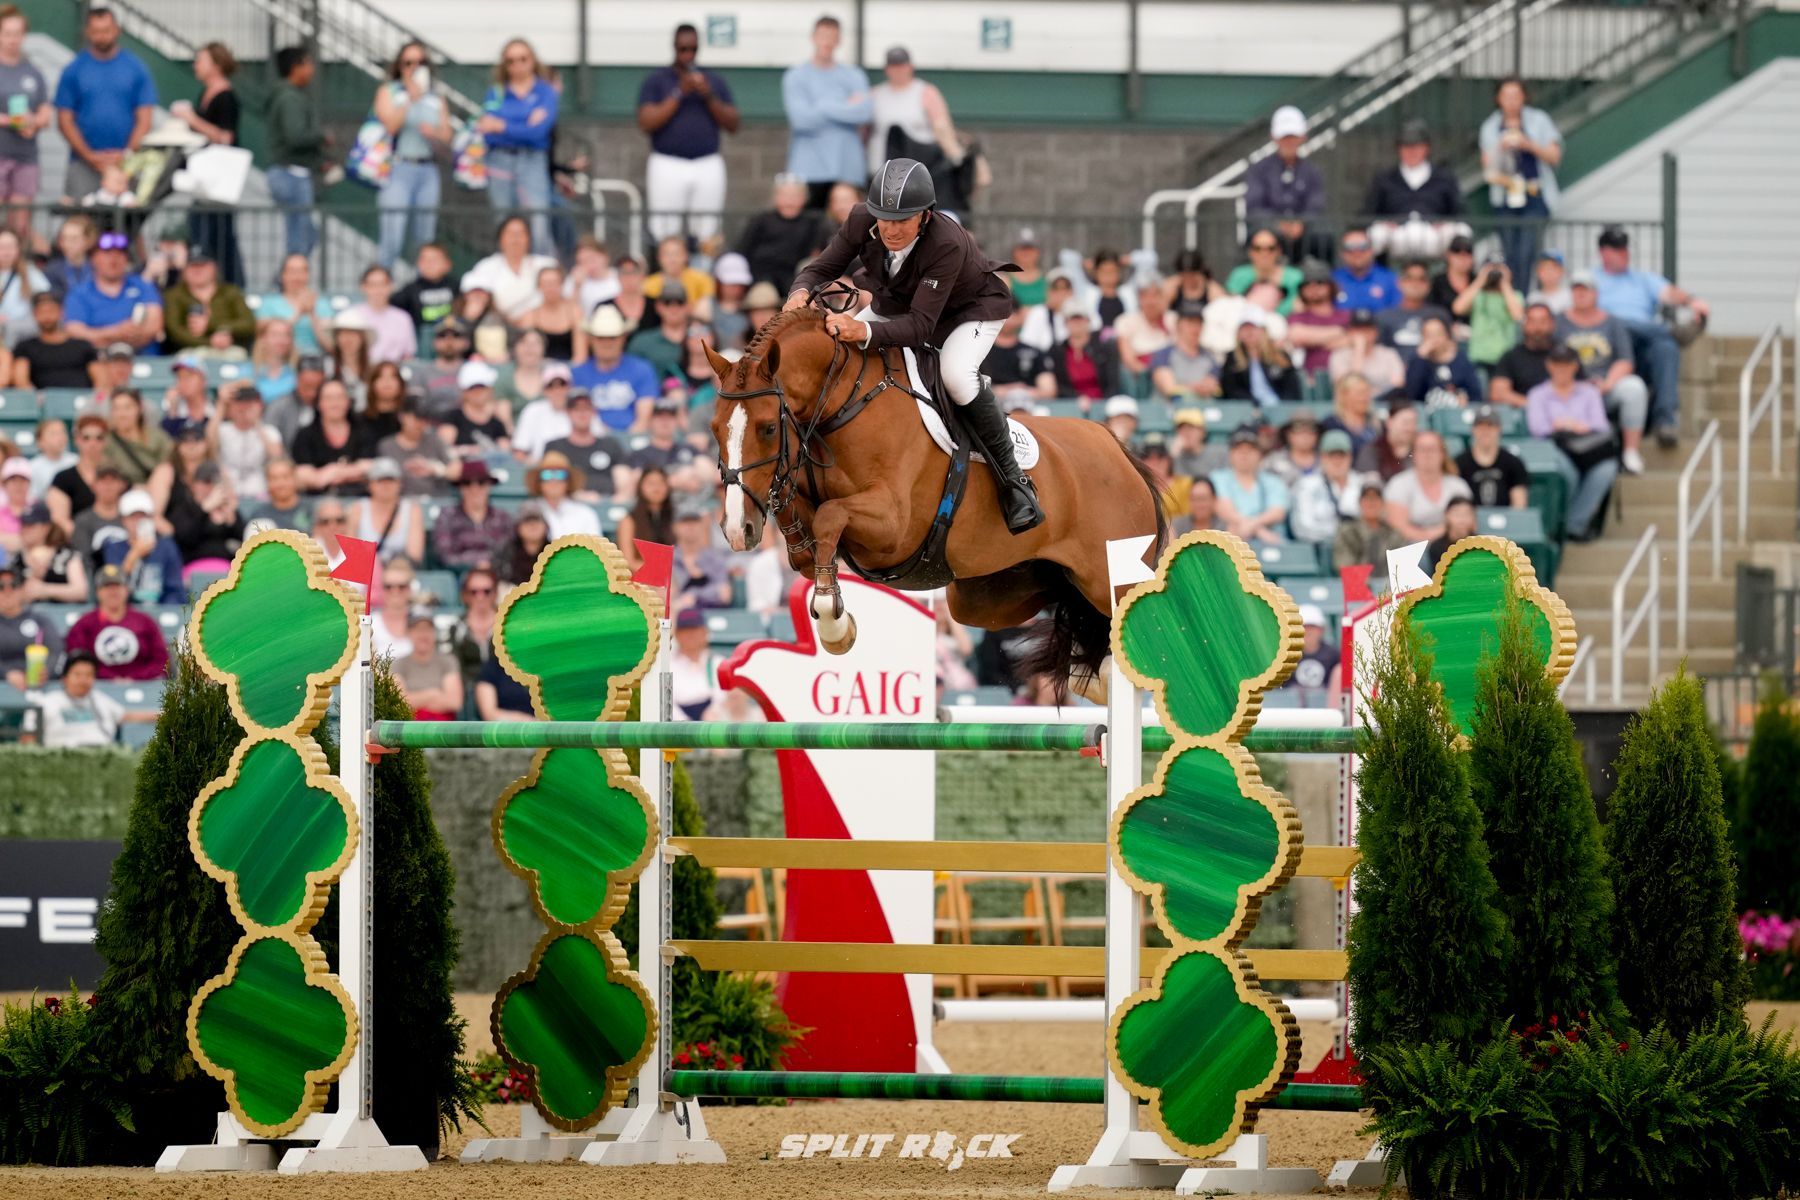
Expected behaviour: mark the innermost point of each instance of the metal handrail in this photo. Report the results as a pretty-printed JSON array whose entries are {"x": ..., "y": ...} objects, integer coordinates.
[
  {"x": 1623, "y": 631},
  {"x": 337, "y": 40},
  {"x": 1749, "y": 418},
  {"x": 1380, "y": 91},
  {"x": 1689, "y": 516},
  {"x": 1581, "y": 664},
  {"x": 634, "y": 207}
]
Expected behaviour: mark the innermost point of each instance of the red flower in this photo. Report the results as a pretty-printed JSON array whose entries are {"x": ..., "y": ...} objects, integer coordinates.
[
  {"x": 1573, "y": 1036},
  {"x": 93, "y": 999},
  {"x": 1553, "y": 1020},
  {"x": 705, "y": 1048},
  {"x": 1624, "y": 1046},
  {"x": 737, "y": 1060},
  {"x": 53, "y": 1003},
  {"x": 683, "y": 1058}
]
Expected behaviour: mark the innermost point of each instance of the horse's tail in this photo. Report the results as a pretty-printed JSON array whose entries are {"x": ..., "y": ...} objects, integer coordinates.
[{"x": 1075, "y": 636}]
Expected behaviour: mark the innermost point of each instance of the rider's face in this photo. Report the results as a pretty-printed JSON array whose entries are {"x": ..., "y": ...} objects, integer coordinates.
[{"x": 897, "y": 235}]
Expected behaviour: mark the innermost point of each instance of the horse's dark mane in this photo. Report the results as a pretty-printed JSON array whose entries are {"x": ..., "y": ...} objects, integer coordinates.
[{"x": 777, "y": 324}]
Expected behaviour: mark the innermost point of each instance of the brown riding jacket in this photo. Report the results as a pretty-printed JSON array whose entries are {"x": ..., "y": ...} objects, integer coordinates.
[{"x": 945, "y": 281}]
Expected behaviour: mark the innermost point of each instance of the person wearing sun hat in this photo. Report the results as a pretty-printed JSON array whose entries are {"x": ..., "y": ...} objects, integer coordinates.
[{"x": 553, "y": 482}]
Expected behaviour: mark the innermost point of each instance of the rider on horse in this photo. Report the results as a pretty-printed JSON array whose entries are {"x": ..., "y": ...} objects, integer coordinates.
[{"x": 931, "y": 284}]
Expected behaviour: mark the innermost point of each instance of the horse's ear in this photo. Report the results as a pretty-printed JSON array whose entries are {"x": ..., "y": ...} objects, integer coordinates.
[
  {"x": 772, "y": 358},
  {"x": 720, "y": 364}
]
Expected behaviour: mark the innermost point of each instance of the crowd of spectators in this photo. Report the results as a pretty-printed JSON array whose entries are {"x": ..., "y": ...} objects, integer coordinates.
[{"x": 463, "y": 420}]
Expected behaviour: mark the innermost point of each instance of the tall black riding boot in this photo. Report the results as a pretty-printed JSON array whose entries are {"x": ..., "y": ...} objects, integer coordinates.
[{"x": 1018, "y": 498}]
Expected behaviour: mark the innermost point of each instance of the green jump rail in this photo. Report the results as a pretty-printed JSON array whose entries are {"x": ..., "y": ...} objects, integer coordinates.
[
  {"x": 834, "y": 735},
  {"x": 1028, "y": 1089}
]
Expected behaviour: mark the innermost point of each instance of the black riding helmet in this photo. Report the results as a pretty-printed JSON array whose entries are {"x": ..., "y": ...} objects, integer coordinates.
[{"x": 901, "y": 188}]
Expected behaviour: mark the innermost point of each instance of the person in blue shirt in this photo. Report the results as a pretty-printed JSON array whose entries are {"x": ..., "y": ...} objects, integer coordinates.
[
  {"x": 622, "y": 386},
  {"x": 1362, "y": 282},
  {"x": 150, "y": 560},
  {"x": 104, "y": 102},
  {"x": 683, "y": 108},
  {"x": 1636, "y": 298},
  {"x": 114, "y": 305},
  {"x": 827, "y": 105},
  {"x": 517, "y": 118}
]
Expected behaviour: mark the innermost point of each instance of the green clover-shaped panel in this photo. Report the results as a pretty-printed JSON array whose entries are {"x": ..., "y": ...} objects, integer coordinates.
[
  {"x": 1460, "y": 615},
  {"x": 1206, "y": 840},
  {"x": 277, "y": 632},
  {"x": 276, "y": 1028},
  {"x": 579, "y": 634},
  {"x": 1204, "y": 1046},
  {"x": 277, "y": 830},
  {"x": 1208, "y": 635},
  {"x": 579, "y": 1023},
  {"x": 578, "y": 829}
]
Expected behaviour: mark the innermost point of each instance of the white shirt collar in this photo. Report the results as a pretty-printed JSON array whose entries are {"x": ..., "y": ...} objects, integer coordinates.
[
  {"x": 897, "y": 258},
  {"x": 1416, "y": 176}
]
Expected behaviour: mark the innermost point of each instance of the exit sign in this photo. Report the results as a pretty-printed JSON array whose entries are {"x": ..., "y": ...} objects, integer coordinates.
[{"x": 996, "y": 33}]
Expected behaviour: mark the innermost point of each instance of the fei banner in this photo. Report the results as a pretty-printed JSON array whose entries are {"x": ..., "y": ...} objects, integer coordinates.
[{"x": 50, "y": 894}]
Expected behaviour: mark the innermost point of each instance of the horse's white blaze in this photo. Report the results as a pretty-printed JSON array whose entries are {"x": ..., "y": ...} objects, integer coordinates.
[{"x": 734, "y": 494}]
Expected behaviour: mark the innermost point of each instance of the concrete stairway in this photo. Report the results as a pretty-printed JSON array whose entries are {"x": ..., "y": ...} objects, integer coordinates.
[{"x": 1588, "y": 573}]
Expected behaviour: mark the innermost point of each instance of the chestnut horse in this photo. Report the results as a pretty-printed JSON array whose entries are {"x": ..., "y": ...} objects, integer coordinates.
[{"x": 826, "y": 440}]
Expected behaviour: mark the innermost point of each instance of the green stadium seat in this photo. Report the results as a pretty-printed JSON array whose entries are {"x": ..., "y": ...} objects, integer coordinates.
[
  {"x": 1524, "y": 526},
  {"x": 1284, "y": 559},
  {"x": 152, "y": 371},
  {"x": 19, "y": 404},
  {"x": 65, "y": 404},
  {"x": 1322, "y": 590},
  {"x": 222, "y": 371},
  {"x": 732, "y": 626},
  {"x": 1065, "y": 408},
  {"x": 171, "y": 617},
  {"x": 60, "y": 616},
  {"x": 1155, "y": 416},
  {"x": 781, "y": 624},
  {"x": 134, "y": 694},
  {"x": 21, "y": 432},
  {"x": 509, "y": 481},
  {"x": 1224, "y": 416},
  {"x": 977, "y": 696},
  {"x": 612, "y": 512},
  {"x": 136, "y": 735}
]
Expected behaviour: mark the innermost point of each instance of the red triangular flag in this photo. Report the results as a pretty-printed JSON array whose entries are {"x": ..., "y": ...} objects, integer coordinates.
[
  {"x": 1356, "y": 582},
  {"x": 657, "y": 568},
  {"x": 358, "y": 567}
]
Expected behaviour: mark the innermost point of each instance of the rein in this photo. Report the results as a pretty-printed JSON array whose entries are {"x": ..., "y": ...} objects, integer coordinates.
[{"x": 797, "y": 453}]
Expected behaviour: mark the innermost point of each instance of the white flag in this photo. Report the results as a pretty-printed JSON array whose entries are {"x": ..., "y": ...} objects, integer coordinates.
[
  {"x": 1125, "y": 560},
  {"x": 1404, "y": 572}
]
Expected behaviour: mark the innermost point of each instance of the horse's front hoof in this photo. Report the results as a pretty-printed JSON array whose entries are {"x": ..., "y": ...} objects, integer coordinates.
[{"x": 844, "y": 626}]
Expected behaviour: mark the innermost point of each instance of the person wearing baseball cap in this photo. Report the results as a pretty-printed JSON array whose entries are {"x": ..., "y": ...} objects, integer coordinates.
[
  {"x": 1316, "y": 676},
  {"x": 1495, "y": 474},
  {"x": 112, "y": 305},
  {"x": 1638, "y": 298},
  {"x": 150, "y": 560},
  {"x": 1605, "y": 347},
  {"x": 1569, "y": 411},
  {"x": 1325, "y": 498},
  {"x": 592, "y": 447},
  {"x": 23, "y": 627},
  {"x": 545, "y": 419},
  {"x": 730, "y": 324},
  {"x": 1283, "y": 192},
  {"x": 476, "y": 427},
  {"x": 126, "y": 643},
  {"x": 15, "y": 498},
  {"x": 1365, "y": 539}
]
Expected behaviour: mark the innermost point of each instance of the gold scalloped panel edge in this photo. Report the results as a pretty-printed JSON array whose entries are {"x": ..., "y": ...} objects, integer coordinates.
[
  {"x": 1251, "y": 893},
  {"x": 1253, "y": 582},
  {"x": 620, "y": 686},
  {"x": 317, "y": 773},
  {"x": 618, "y": 774},
  {"x": 318, "y": 579},
  {"x": 1525, "y": 580},
  {"x": 318, "y": 1081},
  {"x": 1247, "y": 1101},
  {"x": 620, "y": 1077}
]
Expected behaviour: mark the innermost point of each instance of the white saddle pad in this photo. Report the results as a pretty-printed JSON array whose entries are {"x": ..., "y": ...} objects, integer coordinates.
[{"x": 1025, "y": 443}]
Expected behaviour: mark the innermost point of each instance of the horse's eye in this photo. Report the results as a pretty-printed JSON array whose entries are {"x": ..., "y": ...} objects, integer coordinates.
[{"x": 766, "y": 429}]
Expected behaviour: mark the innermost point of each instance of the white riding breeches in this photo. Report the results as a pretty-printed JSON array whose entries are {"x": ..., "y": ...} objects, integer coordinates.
[{"x": 961, "y": 355}]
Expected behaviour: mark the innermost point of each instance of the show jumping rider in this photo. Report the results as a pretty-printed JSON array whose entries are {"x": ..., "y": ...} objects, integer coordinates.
[{"x": 930, "y": 284}]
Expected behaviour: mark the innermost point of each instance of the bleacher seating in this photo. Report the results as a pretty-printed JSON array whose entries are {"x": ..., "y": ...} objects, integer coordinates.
[{"x": 1284, "y": 559}]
